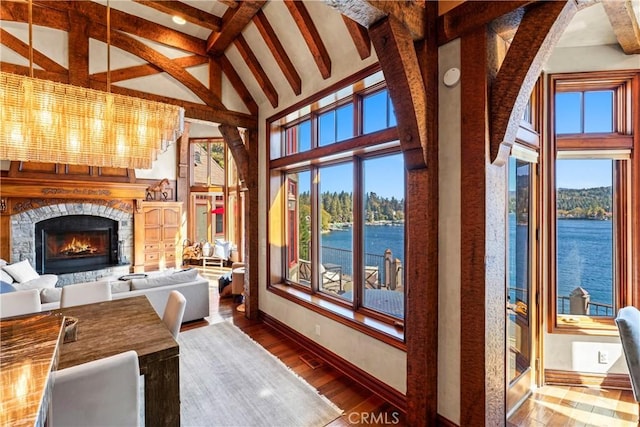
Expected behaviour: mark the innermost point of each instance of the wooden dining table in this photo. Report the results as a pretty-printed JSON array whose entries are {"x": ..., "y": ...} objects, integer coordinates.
[{"x": 113, "y": 327}]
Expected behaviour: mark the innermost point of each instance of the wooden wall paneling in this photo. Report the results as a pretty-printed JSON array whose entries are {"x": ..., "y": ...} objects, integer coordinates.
[
  {"x": 635, "y": 188},
  {"x": 157, "y": 234},
  {"x": 5, "y": 229}
]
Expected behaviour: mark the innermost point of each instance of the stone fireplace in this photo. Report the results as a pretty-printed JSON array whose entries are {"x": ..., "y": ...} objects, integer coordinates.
[
  {"x": 79, "y": 241},
  {"x": 74, "y": 243}
]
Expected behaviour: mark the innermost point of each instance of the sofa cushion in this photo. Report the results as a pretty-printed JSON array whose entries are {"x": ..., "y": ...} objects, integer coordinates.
[
  {"x": 21, "y": 271},
  {"x": 6, "y": 277},
  {"x": 181, "y": 276},
  {"x": 118, "y": 286},
  {"x": 50, "y": 295},
  {"x": 6, "y": 287},
  {"x": 44, "y": 281}
]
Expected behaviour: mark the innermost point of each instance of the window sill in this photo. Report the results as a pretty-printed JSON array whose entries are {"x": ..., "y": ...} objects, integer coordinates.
[
  {"x": 585, "y": 325},
  {"x": 393, "y": 336}
]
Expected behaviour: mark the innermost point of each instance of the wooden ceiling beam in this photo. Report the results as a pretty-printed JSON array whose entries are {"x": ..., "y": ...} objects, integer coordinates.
[
  {"x": 192, "y": 110},
  {"x": 538, "y": 32},
  {"x": 40, "y": 74},
  {"x": 136, "y": 71},
  {"x": 139, "y": 49},
  {"x": 368, "y": 12},
  {"x": 229, "y": 3},
  {"x": 78, "y": 42},
  {"x": 42, "y": 15},
  {"x": 473, "y": 14},
  {"x": 399, "y": 62},
  {"x": 624, "y": 20},
  {"x": 233, "y": 22},
  {"x": 256, "y": 69},
  {"x": 22, "y": 48},
  {"x": 239, "y": 151},
  {"x": 277, "y": 50},
  {"x": 190, "y": 14},
  {"x": 311, "y": 36},
  {"x": 360, "y": 37},
  {"x": 97, "y": 15},
  {"x": 238, "y": 84}
]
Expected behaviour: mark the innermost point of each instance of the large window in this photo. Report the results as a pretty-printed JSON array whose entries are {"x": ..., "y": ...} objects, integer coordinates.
[
  {"x": 593, "y": 198},
  {"x": 341, "y": 182}
]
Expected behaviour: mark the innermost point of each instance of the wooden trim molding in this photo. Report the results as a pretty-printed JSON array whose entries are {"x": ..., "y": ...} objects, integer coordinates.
[
  {"x": 445, "y": 422},
  {"x": 572, "y": 378},
  {"x": 363, "y": 378}
]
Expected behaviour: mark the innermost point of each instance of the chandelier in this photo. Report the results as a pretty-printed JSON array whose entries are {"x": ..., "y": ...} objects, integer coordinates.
[{"x": 45, "y": 121}]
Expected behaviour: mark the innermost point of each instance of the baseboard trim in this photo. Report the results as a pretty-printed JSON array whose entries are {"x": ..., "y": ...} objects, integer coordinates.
[
  {"x": 358, "y": 375},
  {"x": 445, "y": 422},
  {"x": 558, "y": 377}
]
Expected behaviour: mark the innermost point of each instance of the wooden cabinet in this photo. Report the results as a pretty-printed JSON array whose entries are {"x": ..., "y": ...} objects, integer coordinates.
[{"x": 157, "y": 236}]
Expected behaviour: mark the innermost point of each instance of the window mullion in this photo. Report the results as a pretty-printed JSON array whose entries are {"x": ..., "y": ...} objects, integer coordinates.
[
  {"x": 358, "y": 237},
  {"x": 316, "y": 217}
]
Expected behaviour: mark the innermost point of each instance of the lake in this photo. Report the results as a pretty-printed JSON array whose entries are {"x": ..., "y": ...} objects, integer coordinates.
[
  {"x": 584, "y": 258},
  {"x": 584, "y": 253}
]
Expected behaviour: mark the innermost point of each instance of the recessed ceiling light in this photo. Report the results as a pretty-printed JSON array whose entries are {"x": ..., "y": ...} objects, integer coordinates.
[{"x": 179, "y": 20}]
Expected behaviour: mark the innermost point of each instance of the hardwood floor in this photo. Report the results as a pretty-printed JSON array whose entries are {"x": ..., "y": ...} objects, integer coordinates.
[
  {"x": 577, "y": 406},
  {"x": 548, "y": 406}
]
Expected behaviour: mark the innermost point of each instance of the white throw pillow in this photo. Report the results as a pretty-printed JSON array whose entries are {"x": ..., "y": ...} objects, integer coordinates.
[
  {"x": 44, "y": 281},
  {"x": 118, "y": 286},
  {"x": 6, "y": 277},
  {"x": 50, "y": 295},
  {"x": 21, "y": 271}
]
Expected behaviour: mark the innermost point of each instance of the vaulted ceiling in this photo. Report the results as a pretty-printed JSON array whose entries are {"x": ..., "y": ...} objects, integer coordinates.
[{"x": 230, "y": 58}]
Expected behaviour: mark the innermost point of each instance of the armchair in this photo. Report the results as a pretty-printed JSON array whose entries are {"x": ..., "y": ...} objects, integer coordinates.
[{"x": 628, "y": 321}]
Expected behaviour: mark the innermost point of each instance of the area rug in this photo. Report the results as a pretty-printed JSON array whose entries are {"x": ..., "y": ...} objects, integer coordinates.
[{"x": 226, "y": 379}]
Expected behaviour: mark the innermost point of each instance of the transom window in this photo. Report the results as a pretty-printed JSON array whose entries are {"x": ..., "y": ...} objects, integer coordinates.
[
  {"x": 340, "y": 181},
  {"x": 593, "y": 197}
]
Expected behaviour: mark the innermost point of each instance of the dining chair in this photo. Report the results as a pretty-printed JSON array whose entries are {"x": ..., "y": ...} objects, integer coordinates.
[
  {"x": 628, "y": 321},
  {"x": 20, "y": 302},
  {"x": 103, "y": 392},
  {"x": 174, "y": 311},
  {"x": 85, "y": 293}
]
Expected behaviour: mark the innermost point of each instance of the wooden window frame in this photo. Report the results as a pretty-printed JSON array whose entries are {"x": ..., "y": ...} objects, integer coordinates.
[
  {"x": 377, "y": 324},
  {"x": 626, "y": 192}
]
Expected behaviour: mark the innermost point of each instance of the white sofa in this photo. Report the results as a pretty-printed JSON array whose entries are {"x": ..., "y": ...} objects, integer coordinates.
[{"x": 156, "y": 286}]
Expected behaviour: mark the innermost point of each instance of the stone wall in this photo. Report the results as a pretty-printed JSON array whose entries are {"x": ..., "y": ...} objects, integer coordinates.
[{"x": 23, "y": 236}]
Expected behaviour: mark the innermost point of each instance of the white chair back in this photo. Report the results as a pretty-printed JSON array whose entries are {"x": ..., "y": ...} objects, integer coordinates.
[
  {"x": 85, "y": 293},
  {"x": 174, "y": 311},
  {"x": 104, "y": 392},
  {"x": 20, "y": 302}
]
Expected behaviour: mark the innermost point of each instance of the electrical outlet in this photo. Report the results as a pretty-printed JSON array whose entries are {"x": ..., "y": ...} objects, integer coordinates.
[
  {"x": 318, "y": 330},
  {"x": 603, "y": 357}
]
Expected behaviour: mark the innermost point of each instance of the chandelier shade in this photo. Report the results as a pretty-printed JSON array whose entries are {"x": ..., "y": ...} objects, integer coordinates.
[{"x": 45, "y": 121}]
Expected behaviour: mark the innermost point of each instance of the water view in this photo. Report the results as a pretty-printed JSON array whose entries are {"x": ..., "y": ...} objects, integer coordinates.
[{"x": 378, "y": 239}]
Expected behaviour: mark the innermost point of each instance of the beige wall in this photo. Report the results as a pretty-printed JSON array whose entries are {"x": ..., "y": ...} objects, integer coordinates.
[{"x": 449, "y": 237}]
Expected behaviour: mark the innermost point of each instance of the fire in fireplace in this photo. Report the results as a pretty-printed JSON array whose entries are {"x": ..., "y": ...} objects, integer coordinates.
[{"x": 75, "y": 243}]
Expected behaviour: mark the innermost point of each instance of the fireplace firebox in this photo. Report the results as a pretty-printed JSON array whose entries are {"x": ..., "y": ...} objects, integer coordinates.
[{"x": 75, "y": 243}]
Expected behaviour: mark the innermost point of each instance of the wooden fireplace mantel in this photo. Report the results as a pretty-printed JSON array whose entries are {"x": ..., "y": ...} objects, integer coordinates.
[{"x": 70, "y": 189}]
